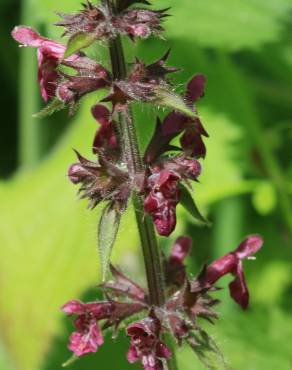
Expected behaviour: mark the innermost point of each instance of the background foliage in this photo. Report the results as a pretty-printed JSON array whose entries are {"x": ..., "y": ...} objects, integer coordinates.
[{"x": 48, "y": 250}]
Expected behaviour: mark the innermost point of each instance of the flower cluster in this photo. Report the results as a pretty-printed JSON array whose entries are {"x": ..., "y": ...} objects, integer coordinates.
[
  {"x": 160, "y": 180},
  {"x": 164, "y": 173},
  {"x": 188, "y": 300},
  {"x": 102, "y": 24}
]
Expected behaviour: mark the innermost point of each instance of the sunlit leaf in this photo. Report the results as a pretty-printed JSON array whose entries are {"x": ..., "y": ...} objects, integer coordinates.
[
  {"x": 107, "y": 232},
  {"x": 187, "y": 201},
  {"x": 207, "y": 351},
  {"x": 174, "y": 101},
  {"x": 228, "y": 24},
  {"x": 78, "y": 41},
  {"x": 53, "y": 106}
]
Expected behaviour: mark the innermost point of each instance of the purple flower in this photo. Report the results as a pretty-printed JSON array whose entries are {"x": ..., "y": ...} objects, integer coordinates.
[
  {"x": 87, "y": 337},
  {"x": 146, "y": 345},
  {"x": 162, "y": 189},
  {"x": 175, "y": 272},
  {"x": 49, "y": 55},
  {"x": 186, "y": 168},
  {"x": 192, "y": 128},
  {"x": 105, "y": 140},
  {"x": 232, "y": 263},
  {"x": 162, "y": 199},
  {"x": 91, "y": 75}
]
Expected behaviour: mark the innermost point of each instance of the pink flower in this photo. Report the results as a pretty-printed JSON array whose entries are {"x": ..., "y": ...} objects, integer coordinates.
[
  {"x": 91, "y": 76},
  {"x": 87, "y": 337},
  {"x": 162, "y": 200},
  {"x": 232, "y": 263},
  {"x": 146, "y": 345},
  {"x": 87, "y": 341},
  {"x": 49, "y": 54}
]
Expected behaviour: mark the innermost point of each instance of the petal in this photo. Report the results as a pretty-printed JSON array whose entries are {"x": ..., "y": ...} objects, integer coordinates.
[
  {"x": 221, "y": 267},
  {"x": 132, "y": 354},
  {"x": 27, "y": 36},
  {"x": 163, "y": 351},
  {"x": 73, "y": 307},
  {"x": 192, "y": 143},
  {"x": 238, "y": 288},
  {"x": 100, "y": 310},
  {"x": 173, "y": 124},
  {"x": 86, "y": 342},
  {"x": 180, "y": 249},
  {"x": 165, "y": 222},
  {"x": 165, "y": 177},
  {"x": 195, "y": 88},
  {"x": 249, "y": 246},
  {"x": 101, "y": 114}
]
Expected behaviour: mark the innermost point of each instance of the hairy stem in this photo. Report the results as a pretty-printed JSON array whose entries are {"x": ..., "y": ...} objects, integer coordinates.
[{"x": 152, "y": 260}]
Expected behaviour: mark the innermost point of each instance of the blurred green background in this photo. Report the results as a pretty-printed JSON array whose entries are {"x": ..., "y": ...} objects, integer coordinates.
[{"x": 48, "y": 250}]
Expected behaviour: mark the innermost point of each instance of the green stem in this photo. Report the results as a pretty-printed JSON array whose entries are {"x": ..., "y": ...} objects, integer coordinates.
[{"x": 152, "y": 258}]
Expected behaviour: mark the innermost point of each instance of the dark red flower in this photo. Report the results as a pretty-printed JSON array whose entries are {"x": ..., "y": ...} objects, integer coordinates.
[
  {"x": 146, "y": 345},
  {"x": 162, "y": 200},
  {"x": 175, "y": 272},
  {"x": 106, "y": 140},
  {"x": 231, "y": 263},
  {"x": 186, "y": 168},
  {"x": 49, "y": 55},
  {"x": 87, "y": 337},
  {"x": 176, "y": 123},
  {"x": 162, "y": 189},
  {"x": 91, "y": 76}
]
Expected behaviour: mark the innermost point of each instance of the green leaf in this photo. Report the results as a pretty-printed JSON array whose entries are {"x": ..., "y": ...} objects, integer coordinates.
[
  {"x": 187, "y": 201},
  {"x": 107, "y": 231},
  {"x": 78, "y": 41},
  {"x": 174, "y": 101},
  {"x": 228, "y": 24},
  {"x": 207, "y": 351},
  {"x": 54, "y": 106}
]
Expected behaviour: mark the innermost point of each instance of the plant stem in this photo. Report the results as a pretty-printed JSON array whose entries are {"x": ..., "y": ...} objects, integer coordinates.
[
  {"x": 134, "y": 162},
  {"x": 152, "y": 260}
]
